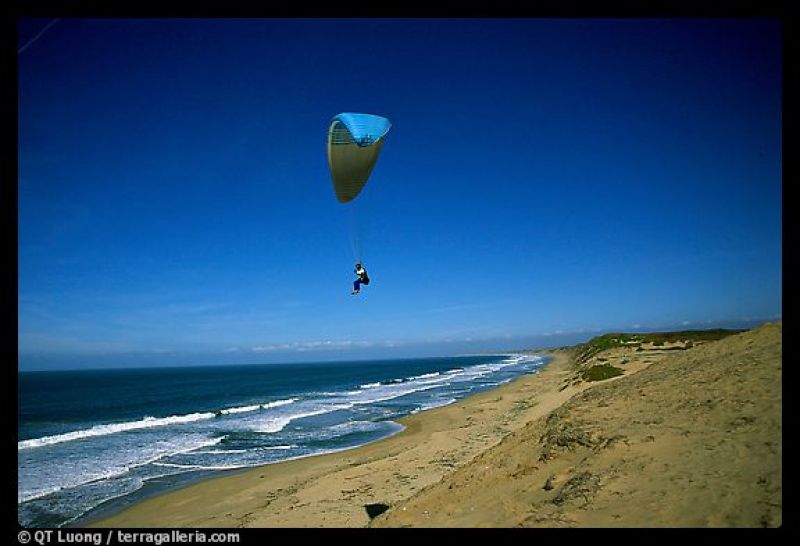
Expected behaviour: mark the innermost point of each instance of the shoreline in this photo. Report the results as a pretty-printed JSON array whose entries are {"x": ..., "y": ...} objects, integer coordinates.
[
  {"x": 169, "y": 484},
  {"x": 440, "y": 430},
  {"x": 104, "y": 487},
  {"x": 113, "y": 506}
]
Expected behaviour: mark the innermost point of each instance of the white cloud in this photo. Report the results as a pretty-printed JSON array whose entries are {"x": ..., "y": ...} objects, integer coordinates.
[{"x": 312, "y": 345}]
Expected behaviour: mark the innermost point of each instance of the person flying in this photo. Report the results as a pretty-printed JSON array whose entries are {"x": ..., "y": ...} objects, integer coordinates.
[{"x": 363, "y": 278}]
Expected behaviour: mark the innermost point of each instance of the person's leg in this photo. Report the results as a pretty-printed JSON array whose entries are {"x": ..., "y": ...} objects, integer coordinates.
[{"x": 356, "y": 285}]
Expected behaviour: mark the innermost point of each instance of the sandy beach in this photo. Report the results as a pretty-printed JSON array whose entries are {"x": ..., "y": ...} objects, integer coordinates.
[{"x": 686, "y": 436}]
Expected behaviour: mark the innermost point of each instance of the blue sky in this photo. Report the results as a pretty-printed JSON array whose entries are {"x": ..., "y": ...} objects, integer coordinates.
[{"x": 542, "y": 178}]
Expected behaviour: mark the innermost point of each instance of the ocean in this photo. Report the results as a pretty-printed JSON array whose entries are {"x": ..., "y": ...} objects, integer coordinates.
[{"x": 89, "y": 439}]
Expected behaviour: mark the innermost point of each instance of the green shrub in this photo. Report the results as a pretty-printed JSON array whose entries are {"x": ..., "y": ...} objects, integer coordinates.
[
  {"x": 599, "y": 373},
  {"x": 584, "y": 351}
]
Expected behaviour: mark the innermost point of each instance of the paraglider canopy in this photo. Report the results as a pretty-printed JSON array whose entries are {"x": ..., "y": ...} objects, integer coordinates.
[{"x": 354, "y": 142}]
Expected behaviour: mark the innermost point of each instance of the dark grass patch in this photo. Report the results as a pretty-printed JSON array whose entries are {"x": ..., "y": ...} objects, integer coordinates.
[
  {"x": 582, "y": 486},
  {"x": 585, "y": 351},
  {"x": 599, "y": 373}
]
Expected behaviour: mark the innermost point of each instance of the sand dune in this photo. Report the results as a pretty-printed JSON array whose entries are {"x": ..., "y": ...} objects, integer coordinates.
[{"x": 693, "y": 440}]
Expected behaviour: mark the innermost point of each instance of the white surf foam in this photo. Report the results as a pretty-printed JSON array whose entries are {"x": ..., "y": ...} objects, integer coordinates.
[
  {"x": 88, "y": 472},
  {"x": 257, "y": 407},
  {"x": 113, "y": 428},
  {"x": 277, "y": 424},
  {"x": 146, "y": 422},
  {"x": 201, "y": 467},
  {"x": 434, "y": 404}
]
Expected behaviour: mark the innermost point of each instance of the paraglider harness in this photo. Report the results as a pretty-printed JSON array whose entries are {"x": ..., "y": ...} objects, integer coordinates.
[{"x": 362, "y": 278}]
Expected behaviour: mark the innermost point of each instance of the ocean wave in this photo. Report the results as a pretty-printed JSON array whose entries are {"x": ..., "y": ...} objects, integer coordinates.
[
  {"x": 277, "y": 424},
  {"x": 390, "y": 394},
  {"x": 354, "y": 426},
  {"x": 257, "y": 407},
  {"x": 218, "y": 451},
  {"x": 114, "y": 472},
  {"x": 380, "y": 392},
  {"x": 146, "y": 422},
  {"x": 113, "y": 428},
  {"x": 229, "y": 451},
  {"x": 434, "y": 404},
  {"x": 424, "y": 376},
  {"x": 201, "y": 467}
]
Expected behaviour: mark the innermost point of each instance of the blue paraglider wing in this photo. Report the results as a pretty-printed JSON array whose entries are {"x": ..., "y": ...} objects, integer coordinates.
[
  {"x": 364, "y": 129},
  {"x": 354, "y": 141}
]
